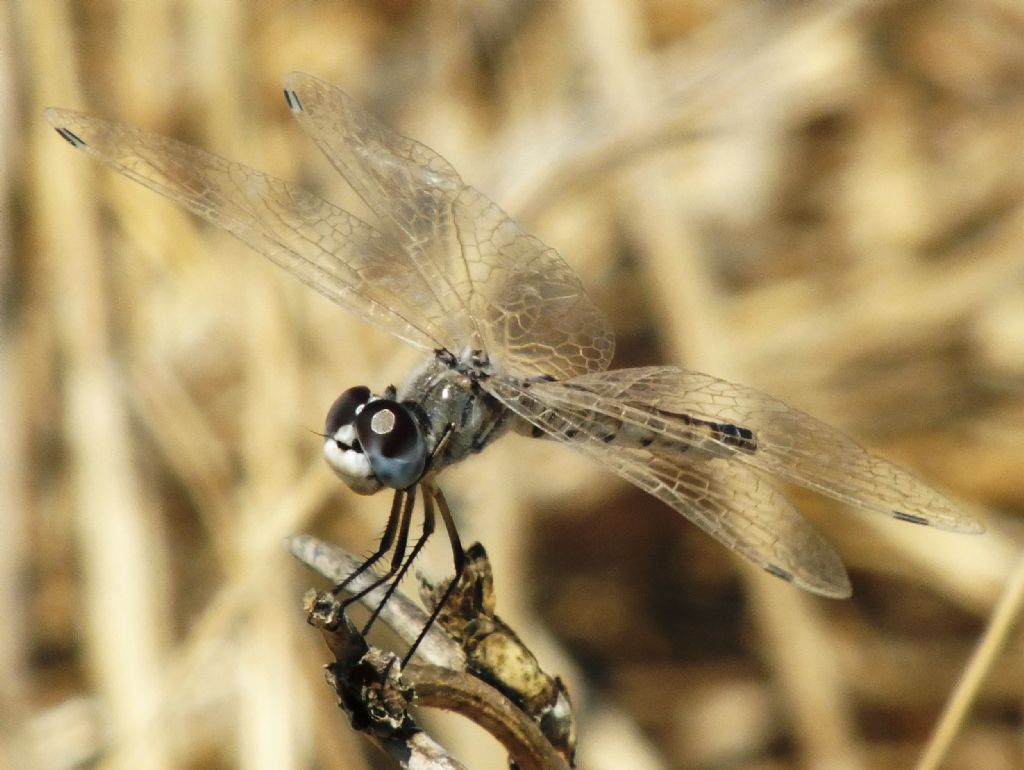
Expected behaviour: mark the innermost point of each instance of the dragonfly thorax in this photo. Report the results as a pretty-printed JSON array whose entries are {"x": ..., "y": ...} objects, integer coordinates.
[{"x": 445, "y": 393}]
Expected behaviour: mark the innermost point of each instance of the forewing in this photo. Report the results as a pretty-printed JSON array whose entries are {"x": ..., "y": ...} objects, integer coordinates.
[
  {"x": 329, "y": 249},
  {"x": 663, "y": 402},
  {"x": 728, "y": 501},
  {"x": 496, "y": 289}
]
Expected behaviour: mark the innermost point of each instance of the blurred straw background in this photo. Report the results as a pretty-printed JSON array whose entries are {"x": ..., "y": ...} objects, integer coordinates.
[{"x": 822, "y": 200}]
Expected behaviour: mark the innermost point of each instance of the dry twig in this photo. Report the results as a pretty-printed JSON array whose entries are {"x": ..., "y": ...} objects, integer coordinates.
[{"x": 482, "y": 671}]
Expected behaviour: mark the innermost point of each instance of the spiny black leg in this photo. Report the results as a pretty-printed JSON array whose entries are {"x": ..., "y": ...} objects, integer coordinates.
[
  {"x": 386, "y": 541},
  {"x": 404, "y": 518},
  {"x": 428, "y": 530},
  {"x": 434, "y": 493}
]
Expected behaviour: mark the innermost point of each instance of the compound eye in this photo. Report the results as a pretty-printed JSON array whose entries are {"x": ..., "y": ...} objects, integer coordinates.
[
  {"x": 343, "y": 410},
  {"x": 393, "y": 442}
]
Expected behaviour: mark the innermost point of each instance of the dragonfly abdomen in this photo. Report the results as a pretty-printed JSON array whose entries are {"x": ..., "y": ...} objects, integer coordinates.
[
  {"x": 700, "y": 436},
  {"x": 666, "y": 433}
]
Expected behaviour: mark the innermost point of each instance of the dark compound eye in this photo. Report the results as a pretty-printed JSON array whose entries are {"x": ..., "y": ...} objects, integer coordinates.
[
  {"x": 343, "y": 410},
  {"x": 386, "y": 428},
  {"x": 393, "y": 442}
]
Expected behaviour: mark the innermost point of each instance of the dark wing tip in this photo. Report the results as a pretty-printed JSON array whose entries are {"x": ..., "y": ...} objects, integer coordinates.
[
  {"x": 292, "y": 99},
  {"x": 59, "y": 120},
  {"x": 778, "y": 572},
  {"x": 75, "y": 141},
  {"x": 960, "y": 523},
  {"x": 910, "y": 518},
  {"x": 839, "y": 588}
]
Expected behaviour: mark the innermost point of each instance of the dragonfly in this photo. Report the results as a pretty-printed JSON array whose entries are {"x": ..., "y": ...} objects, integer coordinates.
[{"x": 512, "y": 343}]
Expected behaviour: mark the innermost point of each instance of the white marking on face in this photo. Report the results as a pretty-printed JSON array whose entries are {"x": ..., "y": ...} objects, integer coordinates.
[
  {"x": 353, "y": 467},
  {"x": 346, "y": 434}
]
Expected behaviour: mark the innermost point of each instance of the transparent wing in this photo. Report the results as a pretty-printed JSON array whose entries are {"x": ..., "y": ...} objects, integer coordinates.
[
  {"x": 329, "y": 249},
  {"x": 677, "y": 409},
  {"x": 494, "y": 287},
  {"x": 727, "y": 500}
]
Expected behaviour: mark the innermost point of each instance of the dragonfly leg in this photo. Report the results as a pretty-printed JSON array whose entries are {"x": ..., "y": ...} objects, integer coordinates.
[
  {"x": 434, "y": 494},
  {"x": 398, "y": 511},
  {"x": 406, "y": 499},
  {"x": 428, "y": 530},
  {"x": 396, "y": 533}
]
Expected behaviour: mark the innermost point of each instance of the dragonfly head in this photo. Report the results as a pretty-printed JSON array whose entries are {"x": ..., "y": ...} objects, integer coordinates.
[{"x": 373, "y": 442}]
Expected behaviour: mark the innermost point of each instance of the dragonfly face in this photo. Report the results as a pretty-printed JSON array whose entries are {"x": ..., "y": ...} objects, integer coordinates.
[
  {"x": 512, "y": 341},
  {"x": 373, "y": 442}
]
